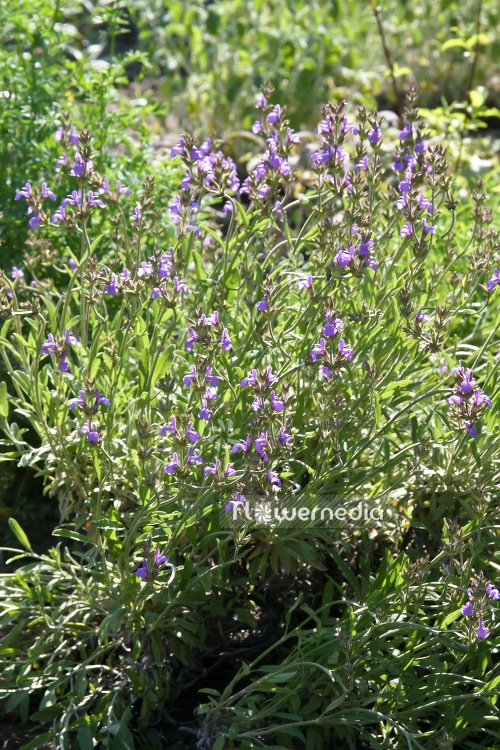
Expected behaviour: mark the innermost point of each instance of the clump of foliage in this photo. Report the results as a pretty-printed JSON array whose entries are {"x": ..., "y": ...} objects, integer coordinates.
[{"x": 328, "y": 333}]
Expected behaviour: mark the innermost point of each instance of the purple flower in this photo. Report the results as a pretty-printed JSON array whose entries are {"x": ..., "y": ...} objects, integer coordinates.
[
  {"x": 245, "y": 447},
  {"x": 420, "y": 146},
  {"x": 191, "y": 340},
  {"x": 455, "y": 399},
  {"x": 78, "y": 401},
  {"x": 90, "y": 431},
  {"x": 226, "y": 342},
  {"x": 277, "y": 405},
  {"x": 159, "y": 559},
  {"x": 424, "y": 203},
  {"x": 363, "y": 164},
  {"x": 24, "y": 192},
  {"x": 274, "y": 479},
  {"x": 179, "y": 149},
  {"x": 34, "y": 222},
  {"x": 467, "y": 610},
  {"x": 212, "y": 319},
  {"x": 467, "y": 382},
  {"x": 471, "y": 429},
  {"x": 325, "y": 371},
  {"x": 344, "y": 257},
  {"x": 112, "y": 288},
  {"x": 261, "y": 443},
  {"x": 482, "y": 631},
  {"x": 365, "y": 245},
  {"x": 63, "y": 365},
  {"x": 250, "y": 379},
  {"x": 180, "y": 286},
  {"x": 403, "y": 134},
  {"x": 492, "y": 592},
  {"x": 307, "y": 282},
  {"x": 422, "y": 316},
  {"x": 204, "y": 412},
  {"x": 189, "y": 379},
  {"x": 236, "y": 503},
  {"x": 212, "y": 379},
  {"x": 257, "y": 126},
  {"x": 319, "y": 350},
  {"x": 332, "y": 327},
  {"x": 172, "y": 466},
  {"x": 49, "y": 346},
  {"x": 398, "y": 165},
  {"x": 192, "y": 457},
  {"x": 146, "y": 269},
  {"x": 495, "y": 279},
  {"x": 69, "y": 338},
  {"x": 257, "y": 404},
  {"x": 428, "y": 227},
  {"x": 402, "y": 202},
  {"x": 262, "y": 305},
  {"x": 60, "y": 215},
  {"x": 62, "y": 160},
  {"x": 375, "y": 134},
  {"x": 347, "y": 126},
  {"x": 46, "y": 193},
  {"x": 406, "y": 229},
  {"x": 172, "y": 428},
  {"x": 283, "y": 436},
  {"x": 192, "y": 435},
  {"x": 481, "y": 398},
  {"x": 80, "y": 165},
  {"x": 17, "y": 272},
  {"x": 274, "y": 115},
  {"x": 142, "y": 572},
  {"x": 212, "y": 469},
  {"x": 344, "y": 350}
]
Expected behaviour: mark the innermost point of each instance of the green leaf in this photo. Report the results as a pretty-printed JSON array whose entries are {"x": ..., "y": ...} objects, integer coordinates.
[
  {"x": 200, "y": 271},
  {"x": 85, "y": 739},
  {"x": 377, "y": 410},
  {"x": 19, "y": 534},
  {"x": 4, "y": 404},
  {"x": 38, "y": 741},
  {"x": 219, "y": 743},
  {"x": 97, "y": 468},
  {"x": 451, "y": 618},
  {"x": 454, "y": 43},
  {"x": 48, "y": 713}
]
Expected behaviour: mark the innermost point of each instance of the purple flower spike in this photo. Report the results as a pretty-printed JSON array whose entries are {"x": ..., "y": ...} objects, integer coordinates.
[
  {"x": 24, "y": 192},
  {"x": 171, "y": 467},
  {"x": 142, "y": 571},
  {"x": 260, "y": 443},
  {"x": 482, "y": 398},
  {"x": 326, "y": 372},
  {"x": 212, "y": 469},
  {"x": 482, "y": 631},
  {"x": 180, "y": 286},
  {"x": 492, "y": 592},
  {"x": 17, "y": 272},
  {"x": 69, "y": 338},
  {"x": 467, "y": 610},
  {"x": 495, "y": 279},
  {"x": 406, "y": 230}
]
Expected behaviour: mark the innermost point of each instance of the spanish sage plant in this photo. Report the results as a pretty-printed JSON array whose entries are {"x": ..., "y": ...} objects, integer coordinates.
[{"x": 323, "y": 333}]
